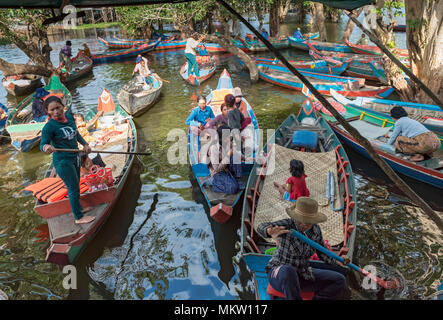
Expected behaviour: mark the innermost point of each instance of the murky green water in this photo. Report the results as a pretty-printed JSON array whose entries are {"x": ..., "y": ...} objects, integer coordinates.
[{"x": 159, "y": 242}]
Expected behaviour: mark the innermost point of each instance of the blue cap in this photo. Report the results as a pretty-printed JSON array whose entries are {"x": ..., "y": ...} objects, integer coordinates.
[
  {"x": 40, "y": 93},
  {"x": 138, "y": 59}
]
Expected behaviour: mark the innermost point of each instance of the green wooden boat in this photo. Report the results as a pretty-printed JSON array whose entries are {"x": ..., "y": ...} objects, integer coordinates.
[
  {"x": 323, "y": 158},
  {"x": 24, "y": 131}
]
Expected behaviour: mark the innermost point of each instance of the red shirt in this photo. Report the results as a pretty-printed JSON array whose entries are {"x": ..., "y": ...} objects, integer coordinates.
[{"x": 299, "y": 188}]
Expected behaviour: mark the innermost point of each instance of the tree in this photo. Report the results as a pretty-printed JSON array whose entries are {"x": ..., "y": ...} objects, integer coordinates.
[
  {"x": 350, "y": 25},
  {"x": 35, "y": 46},
  {"x": 274, "y": 18},
  {"x": 320, "y": 20},
  {"x": 424, "y": 34}
]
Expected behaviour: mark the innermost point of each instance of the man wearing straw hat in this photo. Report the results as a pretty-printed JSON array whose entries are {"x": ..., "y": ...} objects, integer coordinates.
[{"x": 288, "y": 270}]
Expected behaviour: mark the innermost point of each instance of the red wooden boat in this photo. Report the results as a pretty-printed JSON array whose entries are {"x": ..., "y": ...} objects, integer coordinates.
[
  {"x": 67, "y": 238},
  {"x": 373, "y": 50}
]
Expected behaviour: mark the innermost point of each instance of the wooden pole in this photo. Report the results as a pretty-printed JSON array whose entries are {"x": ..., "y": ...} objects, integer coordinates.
[
  {"x": 396, "y": 61},
  {"x": 103, "y": 151},
  {"x": 352, "y": 131}
]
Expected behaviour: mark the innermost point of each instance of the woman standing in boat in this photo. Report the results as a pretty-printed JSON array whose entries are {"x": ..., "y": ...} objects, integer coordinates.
[
  {"x": 142, "y": 68},
  {"x": 412, "y": 137},
  {"x": 61, "y": 132},
  {"x": 191, "y": 44},
  {"x": 65, "y": 55}
]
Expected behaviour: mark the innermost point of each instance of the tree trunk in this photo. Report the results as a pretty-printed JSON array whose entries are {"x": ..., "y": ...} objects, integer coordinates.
[
  {"x": 274, "y": 19},
  {"x": 284, "y": 8},
  {"x": 104, "y": 15},
  {"x": 332, "y": 15},
  {"x": 350, "y": 25},
  {"x": 320, "y": 20},
  {"x": 424, "y": 34},
  {"x": 259, "y": 13},
  {"x": 92, "y": 16}
]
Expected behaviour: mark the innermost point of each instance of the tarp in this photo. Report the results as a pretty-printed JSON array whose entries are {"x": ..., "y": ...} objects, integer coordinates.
[{"x": 340, "y": 4}]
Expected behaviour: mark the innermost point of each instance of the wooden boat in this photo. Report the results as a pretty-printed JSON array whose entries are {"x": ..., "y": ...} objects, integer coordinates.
[
  {"x": 24, "y": 131},
  {"x": 119, "y": 55},
  {"x": 135, "y": 99},
  {"x": 212, "y": 47},
  {"x": 295, "y": 43},
  {"x": 120, "y": 44},
  {"x": 358, "y": 68},
  {"x": 258, "y": 46},
  {"x": 373, "y": 50},
  {"x": 431, "y": 116},
  {"x": 81, "y": 65},
  {"x": 221, "y": 205},
  {"x": 321, "y": 46},
  {"x": 263, "y": 203},
  {"x": 373, "y": 126},
  {"x": 317, "y": 66},
  {"x": 19, "y": 85},
  {"x": 3, "y": 116},
  {"x": 169, "y": 43},
  {"x": 347, "y": 86},
  {"x": 206, "y": 69},
  {"x": 400, "y": 28},
  {"x": 67, "y": 238}
]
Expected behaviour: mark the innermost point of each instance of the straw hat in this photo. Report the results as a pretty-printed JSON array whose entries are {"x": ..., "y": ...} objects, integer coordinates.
[
  {"x": 237, "y": 92},
  {"x": 306, "y": 211}
]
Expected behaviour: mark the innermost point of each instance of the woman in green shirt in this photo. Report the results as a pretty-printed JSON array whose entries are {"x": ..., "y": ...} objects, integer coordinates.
[{"x": 61, "y": 132}]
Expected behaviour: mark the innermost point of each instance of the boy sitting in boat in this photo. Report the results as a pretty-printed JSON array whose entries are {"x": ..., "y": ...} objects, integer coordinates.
[
  {"x": 296, "y": 184},
  {"x": 412, "y": 137},
  {"x": 38, "y": 110},
  {"x": 363, "y": 40},
  {"x": 288, "y": 270},
  {"x": 297, "y": 34}
]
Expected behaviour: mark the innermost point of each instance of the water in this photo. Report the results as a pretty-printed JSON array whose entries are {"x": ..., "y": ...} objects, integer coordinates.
[{"x": 159, "y": 242}]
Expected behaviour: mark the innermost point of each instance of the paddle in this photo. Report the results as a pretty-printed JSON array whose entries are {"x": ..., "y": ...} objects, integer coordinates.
[
  {"x": 104, "y": 151},
  {"x": 391, "y": 284}
]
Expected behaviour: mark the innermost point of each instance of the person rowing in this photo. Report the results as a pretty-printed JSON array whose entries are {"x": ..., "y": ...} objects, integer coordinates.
[{"x": 61, "y": 132}]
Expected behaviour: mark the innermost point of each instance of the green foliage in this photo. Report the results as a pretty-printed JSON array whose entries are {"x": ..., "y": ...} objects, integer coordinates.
[{"x": 417, "y": 24}]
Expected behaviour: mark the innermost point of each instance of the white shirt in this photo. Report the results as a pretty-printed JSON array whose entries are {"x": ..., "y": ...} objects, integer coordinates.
[
  {"x": 144, "y": 71},
  {"x": 191, "y": 44},
  {"x": 407, "y": 127}
]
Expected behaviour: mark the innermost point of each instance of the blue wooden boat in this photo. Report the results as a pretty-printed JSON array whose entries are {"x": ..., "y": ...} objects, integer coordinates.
[
  {"x": 400, "y": 28},
  {"x": 3, "y": 116},
  {"x": 317, "y": 66},
  {"x": 320, "y": 45},
  {"x": 359, "y": 67},
  {"x": 212, "y": 47},
  {"x": 81, "y": 65},
  {"x": 221, "y": 205},
  {"x": 294, "y": 42},
  {"x": 119, "y": 55},
  {"x": 373, "y": 126},
  {"x": 430, "y": 115},
  {"x": 120, "y": 44},
  {"x": 258, "y": 46},
  {"x": 347, "y": 86},
  {"x": 264, "y": 204},
  {"x": 167, "y": 43}
]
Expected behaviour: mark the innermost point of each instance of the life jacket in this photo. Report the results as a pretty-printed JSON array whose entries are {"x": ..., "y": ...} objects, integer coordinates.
[{"x": 52, "y": 189}]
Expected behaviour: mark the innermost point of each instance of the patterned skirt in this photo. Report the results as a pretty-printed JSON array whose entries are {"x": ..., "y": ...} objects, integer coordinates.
[{"x": 424, "y": 143}]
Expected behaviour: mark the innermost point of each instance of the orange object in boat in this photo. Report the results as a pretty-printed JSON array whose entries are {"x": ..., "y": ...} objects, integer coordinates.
[{"x": 105, "y": 102}]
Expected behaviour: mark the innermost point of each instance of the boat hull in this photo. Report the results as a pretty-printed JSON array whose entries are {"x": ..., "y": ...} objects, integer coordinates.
[{"x": 123, "y": 54}]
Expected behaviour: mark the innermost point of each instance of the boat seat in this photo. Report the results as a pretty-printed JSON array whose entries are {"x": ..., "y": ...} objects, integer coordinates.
[
  {"x": 308, "y": 295},
  {"x": 304, "y": 139}
]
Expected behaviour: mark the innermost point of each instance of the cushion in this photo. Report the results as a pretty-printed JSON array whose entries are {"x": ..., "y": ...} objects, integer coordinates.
[{"x": 305, "y": 139}]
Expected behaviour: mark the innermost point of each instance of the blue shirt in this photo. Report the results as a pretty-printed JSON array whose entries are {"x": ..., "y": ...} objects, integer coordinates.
[
  {"x": 265, "y": 35},
  {"x": 407, "y": 127},
  {"x": 298, "y": 35},
  {"x": 198, "y": 116}
]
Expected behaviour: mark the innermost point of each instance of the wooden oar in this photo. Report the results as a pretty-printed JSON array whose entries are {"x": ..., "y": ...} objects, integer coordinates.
[
  {"x": 391, "y": 284},
  {"x": 104, "y": 151},
  {"x": 167, "y": 81}
]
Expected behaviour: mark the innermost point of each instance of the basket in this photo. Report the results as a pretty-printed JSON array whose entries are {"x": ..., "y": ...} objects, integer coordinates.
[{"x": 99, "y": 178}]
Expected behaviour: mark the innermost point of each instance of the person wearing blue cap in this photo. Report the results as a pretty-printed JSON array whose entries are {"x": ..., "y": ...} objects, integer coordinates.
[
  {"x": 38, "y": 111},
  {"x": 297, "y": 34},
  {"x": 265, "y": 34},
  {"x": 142, "y": 68}
]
